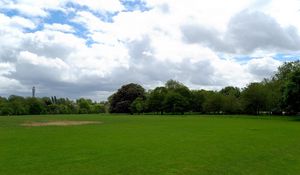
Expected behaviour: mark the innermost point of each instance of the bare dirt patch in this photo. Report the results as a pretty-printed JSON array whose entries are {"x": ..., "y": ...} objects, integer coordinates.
[{"x": 61, "y": 123}]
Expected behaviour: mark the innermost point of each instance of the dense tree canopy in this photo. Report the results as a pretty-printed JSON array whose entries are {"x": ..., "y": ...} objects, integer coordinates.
[
  {"x": 291, "y": 91},
  {"x": 278, "y": 94},
  {"x": 156, "y": 99},
  {"x": 120, "y": 101},
  {"x": 197, "y": 100},
  {"x": 254, "y": 98}
]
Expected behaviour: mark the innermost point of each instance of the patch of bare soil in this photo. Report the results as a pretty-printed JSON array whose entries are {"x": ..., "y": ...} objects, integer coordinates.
[{"x": 60, "y": 123}]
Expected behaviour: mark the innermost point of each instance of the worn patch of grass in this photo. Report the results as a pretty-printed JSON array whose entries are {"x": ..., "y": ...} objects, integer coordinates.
[{"x": 148, "y": 145}]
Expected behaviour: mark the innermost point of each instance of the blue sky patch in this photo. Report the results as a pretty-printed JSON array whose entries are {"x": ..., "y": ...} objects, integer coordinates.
[
  {"x": 287, "y": 57},
  {"x": 135, "y": 5}
]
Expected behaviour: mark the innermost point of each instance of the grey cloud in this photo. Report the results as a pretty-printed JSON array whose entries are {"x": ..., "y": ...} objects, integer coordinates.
[
  {"x": 47, "y": 46},
  {"x": 149, "y": 69},
  {"x": 261, "y": 72},
  {"x": 165, "y": 8},
  {"x": 40, "y": 43},
  {"x": 246, "y": 32},
  {"x": 142, "y": 68},
  {"x": 138, "y": 48},
  {"x": 8, "y": 54},
  {"x": 207, "y": 36},
  {"x": 151, "y": 72},
  {"x": 263, "y": 67},
  {"x": 9, "y": 45},
  {"x": 257, "y": 30},
  {"x": 29, "y": 74},
  {"x": 201, "y": 72}
]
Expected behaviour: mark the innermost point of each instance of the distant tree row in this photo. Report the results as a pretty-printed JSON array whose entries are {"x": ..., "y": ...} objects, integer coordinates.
[
  {"x": 17, "y": 105},
  {"x": 278, "y": 95}
]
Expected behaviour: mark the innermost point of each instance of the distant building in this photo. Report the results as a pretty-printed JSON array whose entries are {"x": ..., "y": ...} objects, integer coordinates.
[{"x": 33, "y": 91}]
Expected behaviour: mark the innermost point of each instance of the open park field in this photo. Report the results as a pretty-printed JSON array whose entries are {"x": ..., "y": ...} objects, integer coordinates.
[{"x": 149, "y": 145}]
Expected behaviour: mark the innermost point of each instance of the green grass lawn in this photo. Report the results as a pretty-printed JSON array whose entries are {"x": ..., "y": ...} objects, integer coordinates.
[{"x": 156, "y": 145}]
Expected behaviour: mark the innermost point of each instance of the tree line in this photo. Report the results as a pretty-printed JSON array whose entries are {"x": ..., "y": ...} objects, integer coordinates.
[
  {"x": 17, "y": 105},
  {"x": 279, "y": 94}
]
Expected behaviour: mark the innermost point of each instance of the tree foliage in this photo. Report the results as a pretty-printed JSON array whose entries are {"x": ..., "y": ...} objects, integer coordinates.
[
  {"x": 254, "y": 98},
  {"x": 156, "y": 99},
  {"x": 120, "y": 101},
  {"x": 291, "y": 92},
  {"x": 17, "y": 105},
  {"x": 271, "y": 96}
]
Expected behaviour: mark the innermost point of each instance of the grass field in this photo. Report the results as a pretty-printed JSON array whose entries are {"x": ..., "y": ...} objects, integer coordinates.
[{"x": 156, "y": 145}]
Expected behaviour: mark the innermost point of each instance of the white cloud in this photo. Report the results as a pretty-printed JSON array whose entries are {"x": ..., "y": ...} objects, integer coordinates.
[
  {"x": 59, "y": 27},
  {"x": 28, "y": 10},
  {"x": 98, "y": 60},
  {"x": 247, "y": 32},
  {"x": 262, "y": 67},
  {"x": 6, "y": 68},
  {"x": 16, "y": 22},
  {"x": 8, "y": 85},
  {"x": 36, "y": 8},
  {"x": 101, "y": 5},
  {"x": 30, "y": 58},
  {"x": 285, "y": 12},
  {"x": 33, "y": 8},
  {"x": 90, "y": 21},
  {"x": 211, "y": 13},
  {"x": 52, "y": 43},
  {"x": 31, "y": 66}
]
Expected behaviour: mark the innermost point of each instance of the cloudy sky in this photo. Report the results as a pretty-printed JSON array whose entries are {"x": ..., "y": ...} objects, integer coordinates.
[{"x": 89, "y": 48}]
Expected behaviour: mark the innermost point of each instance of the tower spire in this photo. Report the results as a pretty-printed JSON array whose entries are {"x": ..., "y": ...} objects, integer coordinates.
[{"x": 33, "y": 91}]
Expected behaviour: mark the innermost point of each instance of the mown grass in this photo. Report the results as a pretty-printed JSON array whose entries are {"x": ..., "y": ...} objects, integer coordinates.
[{"x": 151, "y": 145}]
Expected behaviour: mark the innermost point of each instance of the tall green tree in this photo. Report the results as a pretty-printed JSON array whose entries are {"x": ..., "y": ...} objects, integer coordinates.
[
  {"x": 85, "y": 105},
  {"x": 5, "y": 108},
  {"x": 254, "y": 98},
  {"x": 36, "y": 106},
  {"x": 175, "y": 87},
  {"x": 175, "y": 103},
  {"x": 274, "y": 96},
  {"x": 138, "y": 105},
  {"x": 213, "y": 102},
  {"x": 156, "y": 99},
  {"x": 231, "y": 91},
  {"x": 286, "y": 69},
  {"x": 18, "y": 105},
  {"x": 231, "y": 103},
  {"x": 98, "y": 108},
  {"x": 197, "y": 99},
  {"x": 291, "y": 92},
  {"x": 121, "y": 100}
]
